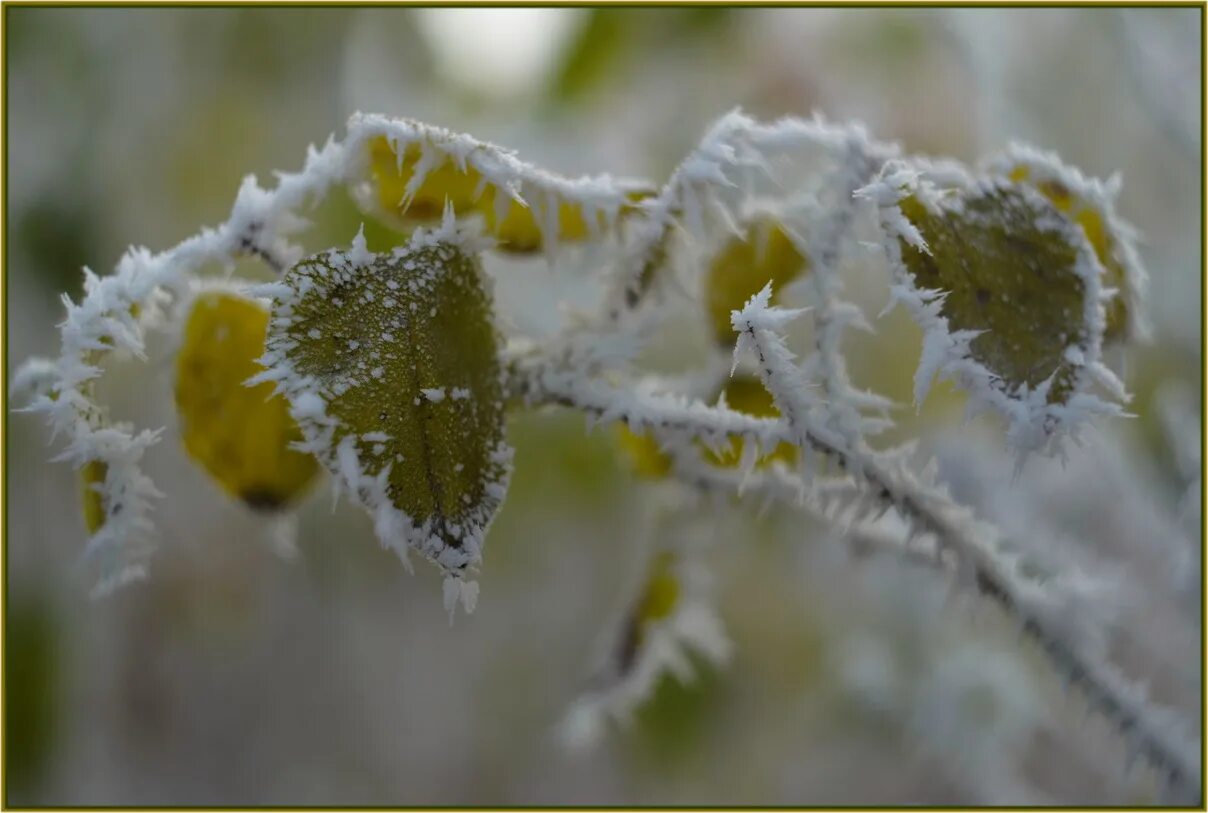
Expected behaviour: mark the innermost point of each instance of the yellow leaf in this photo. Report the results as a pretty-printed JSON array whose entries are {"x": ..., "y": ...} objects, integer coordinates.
[
  {"x": 520, "y": 228},
  {"x": 240, "y": 435},
  {"x": 643, "y": 453},
  {"x": 443, "y": 183},
  {"x": 92, "y": 478},
  {"x": 743, "y": 266},
  {"x": 661, "y": 592}
]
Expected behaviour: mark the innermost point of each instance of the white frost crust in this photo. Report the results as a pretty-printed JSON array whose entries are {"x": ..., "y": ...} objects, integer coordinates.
[
  {"x": 35, "y": 377},
  {"x": 1033, "y": 422},
  {"x": 103, "y": 322},
  {"x": 1099, "y": 196},
  {"x": 693, "y": 627},
  {"x": 1060, "y": 612},
  {"x": 712, "y": 177},
  {"x": 822, "y": 236},
  {"x": 674, "y": 420},
  {"x": 308, "y": 399},
  {"x": 600, "y": 196}
]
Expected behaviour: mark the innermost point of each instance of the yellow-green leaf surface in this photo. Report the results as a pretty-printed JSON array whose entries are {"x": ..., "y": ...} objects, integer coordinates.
[
  {"x": 516, "y": 226},
  {"x": 240, "y": 435},
  {"x": 402, "y": 352},
  {"x": 92, "y": 478},
  {"x": 643, "y": 454},
  {"x": 741, "y": 269},
  {"x": 1009, "y": 263},
  {"x": 1093, "y": 221}
]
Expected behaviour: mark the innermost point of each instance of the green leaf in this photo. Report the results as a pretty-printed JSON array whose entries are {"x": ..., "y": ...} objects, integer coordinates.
[
  {"x": 1088, "y": 203},
  {"x": 1013, "y": 268},
  {"x": 391, "y": 362}
]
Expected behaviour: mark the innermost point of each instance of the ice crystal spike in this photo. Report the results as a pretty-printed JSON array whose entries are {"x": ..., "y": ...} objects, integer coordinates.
[
  {"x": 415, "y": 170},
  {"x": 763, "y": 253}
]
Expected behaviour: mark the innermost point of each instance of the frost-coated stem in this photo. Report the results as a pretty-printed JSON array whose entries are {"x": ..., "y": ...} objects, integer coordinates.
[
  {"x": 672, "y": 419},
  {"x": 816, "y": 498},
  {"x": 993, "y": 571}
]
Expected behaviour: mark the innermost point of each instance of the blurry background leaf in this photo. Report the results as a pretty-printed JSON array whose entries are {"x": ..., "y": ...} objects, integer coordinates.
[{"x": 32, "y": 701}]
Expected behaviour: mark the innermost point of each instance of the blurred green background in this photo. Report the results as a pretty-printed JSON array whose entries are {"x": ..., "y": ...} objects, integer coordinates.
[{"x": 235, "y": 677}]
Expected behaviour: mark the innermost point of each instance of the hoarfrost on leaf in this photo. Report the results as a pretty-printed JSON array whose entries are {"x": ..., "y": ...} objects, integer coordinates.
[
  {"x": 362, "y": 400},
  {"x": 1007, "y": 291}
]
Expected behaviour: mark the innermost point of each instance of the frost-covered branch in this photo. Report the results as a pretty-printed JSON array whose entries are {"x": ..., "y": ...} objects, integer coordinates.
[
  {"x": 720, "y": 171},
  {"x": 392, "y": 372},
  {"x": 1042, "y": 607},
  {"x": 673, "y": 419}
]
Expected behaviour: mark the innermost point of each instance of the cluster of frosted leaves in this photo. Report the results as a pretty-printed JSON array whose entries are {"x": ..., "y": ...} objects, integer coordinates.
[
  {"x": 762, "y": 253},
  {"x": 413, "y": 170},
  {"x": 391, "y": 365},
  {"x": 242, "y": 436},
  {"x": 743, "y": 393},
  {"x": 1090, "y": 204},
  {"x": 1008, "y": 290}
]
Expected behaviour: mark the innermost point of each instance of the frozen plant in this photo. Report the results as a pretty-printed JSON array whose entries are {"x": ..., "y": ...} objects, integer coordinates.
[{"x": 391, "y": 372}]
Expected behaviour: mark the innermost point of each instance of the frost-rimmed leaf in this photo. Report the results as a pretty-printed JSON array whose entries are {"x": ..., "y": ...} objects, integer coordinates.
[
  {"x": 243, "y": 437},
  {"x": 1090, "y": 203},
  {"x": 1007, "y": 290},
  {"x": 407, "y": 171},
  {"x": 391, "y": 366}
]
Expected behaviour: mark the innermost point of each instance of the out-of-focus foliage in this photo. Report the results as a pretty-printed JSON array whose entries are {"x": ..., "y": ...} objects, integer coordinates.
[{"x": 32, "y": 692}]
